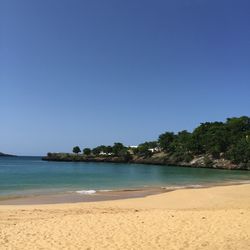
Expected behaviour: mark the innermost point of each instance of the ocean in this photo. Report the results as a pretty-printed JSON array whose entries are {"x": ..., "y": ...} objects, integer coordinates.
[{"x": 20, "y": 176}]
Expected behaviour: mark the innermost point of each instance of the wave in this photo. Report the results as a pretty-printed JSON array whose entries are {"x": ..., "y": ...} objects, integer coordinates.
[
  {"x": 167, "y": 188},
  {"x": 86, "y": 192}
]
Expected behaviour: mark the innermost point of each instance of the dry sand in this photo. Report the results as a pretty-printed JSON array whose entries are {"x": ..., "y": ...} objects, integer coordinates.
[{"x": 211, "y": 218}]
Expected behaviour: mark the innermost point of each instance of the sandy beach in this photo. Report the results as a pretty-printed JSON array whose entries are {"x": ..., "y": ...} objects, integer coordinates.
[{"x": 208, "y": 218}]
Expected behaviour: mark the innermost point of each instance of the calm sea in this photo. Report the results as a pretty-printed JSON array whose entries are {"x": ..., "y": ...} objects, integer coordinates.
[{"x": 31, "y": 175}]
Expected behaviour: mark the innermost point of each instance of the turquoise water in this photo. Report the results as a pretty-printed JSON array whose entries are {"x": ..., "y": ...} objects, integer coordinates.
[{"x": 31, "y": 175}]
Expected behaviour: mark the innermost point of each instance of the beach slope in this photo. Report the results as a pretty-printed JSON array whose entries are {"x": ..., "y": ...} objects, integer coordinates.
[{"x": 208, "y": 218}]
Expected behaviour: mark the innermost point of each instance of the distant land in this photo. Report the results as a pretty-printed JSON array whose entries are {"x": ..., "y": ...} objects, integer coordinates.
[
  {"x": 2, "y": 154},
  {"x": 222, "y": 145}
]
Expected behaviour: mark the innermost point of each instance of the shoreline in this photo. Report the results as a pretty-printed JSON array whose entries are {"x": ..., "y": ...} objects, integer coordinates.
[
  {"x": 159, "y": 158},
  {"x": 150, "y": 161},
  {"x": 72, "y": 197},
  {"x": 147, "y": 162},
  {"x": 86, "y": 196}
]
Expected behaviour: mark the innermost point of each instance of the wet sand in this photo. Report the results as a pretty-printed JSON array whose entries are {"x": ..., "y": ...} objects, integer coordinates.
[
  {"x": 103, "y": 195},
  {"x": 73, "y": 197}
]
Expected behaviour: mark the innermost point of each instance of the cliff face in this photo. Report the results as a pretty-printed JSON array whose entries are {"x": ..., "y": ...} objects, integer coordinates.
[{"x": 201, "y": 161}]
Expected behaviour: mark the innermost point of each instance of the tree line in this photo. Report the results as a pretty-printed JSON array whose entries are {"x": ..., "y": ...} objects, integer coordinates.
[{"x": 229, "y": 140}]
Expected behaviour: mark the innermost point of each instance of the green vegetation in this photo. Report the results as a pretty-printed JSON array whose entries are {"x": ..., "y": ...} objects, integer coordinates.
[
  {"x": 209, "y": 143},
  {"x": 118, "y": 148},
  {"x": 165, "y": 140},
  {"x": 217, "y": 139},
  {"x": 76, "y": 150},
  {"x": 86, "y": 151},
  {"x": 146, "y": 149}
]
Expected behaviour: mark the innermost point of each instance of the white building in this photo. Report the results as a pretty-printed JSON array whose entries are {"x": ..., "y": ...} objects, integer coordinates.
[
  {"x": 103, "y": 153},
  {"x": 156, "y": 149}
]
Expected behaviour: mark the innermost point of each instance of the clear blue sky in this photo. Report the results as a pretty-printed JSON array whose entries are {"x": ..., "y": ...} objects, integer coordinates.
[{"x": 84, "y": 73}]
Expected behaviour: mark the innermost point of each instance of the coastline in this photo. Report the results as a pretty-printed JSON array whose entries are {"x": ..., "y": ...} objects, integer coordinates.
[
  {"x": 157, "y": 159},
  {"x": 203, "y": 218},
  {"x": 82, "y": 196}
]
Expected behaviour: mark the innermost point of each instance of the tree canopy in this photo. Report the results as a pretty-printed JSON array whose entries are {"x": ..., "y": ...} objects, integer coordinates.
[
  {"x": 229, "y": 139},
  {"x": 76, "y": 149},
  {"x": 86, "y": 151}
]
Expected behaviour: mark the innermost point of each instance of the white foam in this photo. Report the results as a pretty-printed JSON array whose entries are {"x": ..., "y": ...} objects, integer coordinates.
[
  {"x": 181, "y": 187},
  {"x": 86, "y": 192},
  {"x": 173, "y": 187},
  {"x": 195, "y": 186}
]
